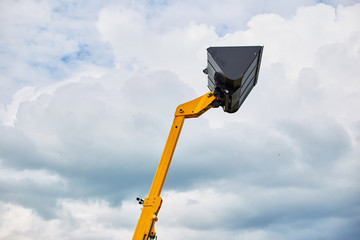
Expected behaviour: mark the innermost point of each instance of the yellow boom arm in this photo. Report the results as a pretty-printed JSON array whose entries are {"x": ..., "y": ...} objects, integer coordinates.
[{"x": 145, "y": 228}]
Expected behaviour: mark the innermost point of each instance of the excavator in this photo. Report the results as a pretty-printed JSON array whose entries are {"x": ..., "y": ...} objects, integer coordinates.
[{"x": 232, "y": 73}]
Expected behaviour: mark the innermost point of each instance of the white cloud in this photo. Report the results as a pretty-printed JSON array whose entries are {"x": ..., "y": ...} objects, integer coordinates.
[
  {"x": 40, "y": 177},
  {"x": 42, "y": 43},
  {"x": 143, "y": 49},
  {"x": 75, "y": 220},
  {"x": 257, "y": 213},
  {"x": 31, "y": 93}
]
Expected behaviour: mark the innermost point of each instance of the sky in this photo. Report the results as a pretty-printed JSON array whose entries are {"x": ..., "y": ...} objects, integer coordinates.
[{"x": 88, "y": 90}]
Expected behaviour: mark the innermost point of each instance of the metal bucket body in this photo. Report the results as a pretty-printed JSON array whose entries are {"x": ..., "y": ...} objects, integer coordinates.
[{"x": 232, "y": 73}]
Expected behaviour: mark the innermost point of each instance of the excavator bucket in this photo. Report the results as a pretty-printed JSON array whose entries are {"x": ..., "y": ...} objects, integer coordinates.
[{"x": 232, "y": 73}]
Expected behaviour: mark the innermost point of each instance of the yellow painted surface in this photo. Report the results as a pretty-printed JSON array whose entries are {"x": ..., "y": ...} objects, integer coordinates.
[{"x": 151, "y": 206}]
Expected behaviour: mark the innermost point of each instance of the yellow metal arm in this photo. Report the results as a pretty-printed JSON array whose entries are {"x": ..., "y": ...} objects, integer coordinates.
[{"x": 145, "y": 228}]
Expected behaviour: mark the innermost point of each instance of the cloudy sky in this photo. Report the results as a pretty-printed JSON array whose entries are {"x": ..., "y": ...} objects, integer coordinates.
[{"x": 87, "y": 95}]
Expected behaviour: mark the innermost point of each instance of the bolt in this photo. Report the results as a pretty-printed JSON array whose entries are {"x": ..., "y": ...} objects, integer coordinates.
[{"x": 209, "y": 95}]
